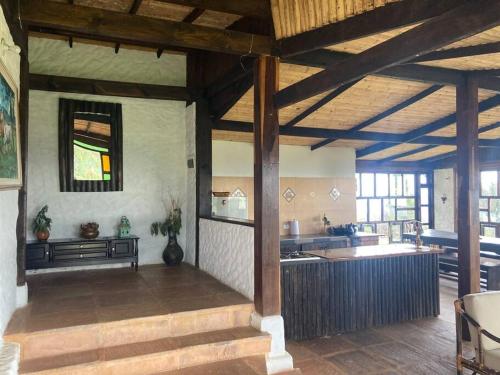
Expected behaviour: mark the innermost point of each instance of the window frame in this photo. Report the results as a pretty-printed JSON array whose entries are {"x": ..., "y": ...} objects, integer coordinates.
[{"x": 489, "y": 223}]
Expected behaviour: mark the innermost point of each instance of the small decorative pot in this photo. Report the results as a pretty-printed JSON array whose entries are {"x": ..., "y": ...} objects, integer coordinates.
[
  {"x": 173, "y": 254},
  {"x": 43, "y": 235},
  {"x": 89, "y": 231}
]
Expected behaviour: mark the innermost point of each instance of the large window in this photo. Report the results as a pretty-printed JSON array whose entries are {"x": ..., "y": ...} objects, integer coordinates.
[
  {"x": 385, "y": 201},
  {"x": 489, "y": 203}
]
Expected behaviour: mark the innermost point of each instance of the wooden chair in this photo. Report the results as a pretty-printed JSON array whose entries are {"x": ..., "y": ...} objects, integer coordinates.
[{"x": 481, "y": 312}]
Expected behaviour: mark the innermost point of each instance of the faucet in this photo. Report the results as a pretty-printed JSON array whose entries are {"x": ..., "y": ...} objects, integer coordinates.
[{"x": 419, "y": 230}]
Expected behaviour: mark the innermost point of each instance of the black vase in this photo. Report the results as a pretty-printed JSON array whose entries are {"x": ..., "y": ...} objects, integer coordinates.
[{"x": 173, "y": 254}]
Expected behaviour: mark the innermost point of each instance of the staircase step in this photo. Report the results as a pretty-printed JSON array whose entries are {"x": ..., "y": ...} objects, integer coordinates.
[
  {"x": 88, "y": 338},
  {"x": 151, "y": 357}
]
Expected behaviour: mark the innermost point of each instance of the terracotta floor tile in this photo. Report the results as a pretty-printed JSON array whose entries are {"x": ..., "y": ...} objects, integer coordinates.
[
  {"x": 63, "y": 305},
  {"x": 60, "y": 361},
  {"x": 60, "y": 320},
  {"x": 359, "y": 362},
  {"x": 299, "y": 352},
  {"x": 136, "y": 349},
  {"x": 319, "y": 366},
  {"x": 328, "y": 345},
  {"x": 122, "y": 312},
  {"x": 366, "y": 337},
  {"x": 121, "y": 298}
]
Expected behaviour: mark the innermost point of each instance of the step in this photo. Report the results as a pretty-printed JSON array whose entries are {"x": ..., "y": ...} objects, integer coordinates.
[
  {"x": 84, "y": 338},
  {"x": 152, "y": 357}
]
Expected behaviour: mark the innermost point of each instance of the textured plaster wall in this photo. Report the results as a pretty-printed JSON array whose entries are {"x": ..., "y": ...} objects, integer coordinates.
[
  {"x": 54, "y": 57},
  {"x": 444, "y": 213},
  {"x": 190, "y": 185},
  {"x": 154, "y": 167},
  {"x": 226, "y": 252},
  {"x": 8, "y": 207}
]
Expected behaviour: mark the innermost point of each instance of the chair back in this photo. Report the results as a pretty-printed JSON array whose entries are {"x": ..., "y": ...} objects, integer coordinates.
[{"x": 484, "y": 308}]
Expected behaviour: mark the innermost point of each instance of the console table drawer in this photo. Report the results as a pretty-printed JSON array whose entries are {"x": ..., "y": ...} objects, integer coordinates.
[
  {"x": 83, "y": 255},
  {"x": 81, "y": 246}
]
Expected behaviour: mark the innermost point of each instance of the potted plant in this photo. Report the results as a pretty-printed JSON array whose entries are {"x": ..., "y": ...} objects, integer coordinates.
[
  {"x": 41, "y": 224},
  {"x": 171, "y": 226}
]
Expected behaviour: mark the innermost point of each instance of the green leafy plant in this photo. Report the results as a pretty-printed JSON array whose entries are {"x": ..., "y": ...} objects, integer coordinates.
[
  {"x": 172, "y": 223},
  {"x": 42, "y": 223}
]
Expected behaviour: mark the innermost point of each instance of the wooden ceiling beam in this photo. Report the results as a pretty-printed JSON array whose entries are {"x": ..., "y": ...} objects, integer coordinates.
[
  {"x": 108, "y": 88},
  {"x": 455, "y": 53},
  {"x": 308, "y": 132},
  {"x": 449, "y": 159},
  {"x": 381, "y": 19},
  {"x": 415, "y": 135},
  {"x": 398, "y": 107},
  {"x": 225, "y": 99},
  {"x": 408, "y": 153},
  {"x": 139, "y": 30},
  {"x": 133, "y": 10},
  {"x": 250, "y": 8},
  {"x": 461, "y": 22},
  {"x": 320, "y": 103}
]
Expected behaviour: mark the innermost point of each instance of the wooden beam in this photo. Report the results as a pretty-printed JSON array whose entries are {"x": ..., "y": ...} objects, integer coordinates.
[
  {"x": 416, "y": 134},
  {"x": 308, "y": 132},
  {"x": 224, "y": 100},
  {"x": 251, "y": 8},
  {"x": 194, "y": 15},
  {"x": 398, "y": 107},
  {"x": 108, "y": 88},
  {"x": 407, "y": 153},
  {"x": 468, "y": 188},
  {"x": 266, "y": 189},
  {"x": 234, "y": 74},
  {"x": 320, "y": 103},
  {"x": 454, "y": 53},
  {"x": 449, "y": 160},
  {"x": 378, "y": 20},
  {"x": 459, "y": 23},
  {"x": 133, "y": 10},
  {"x": 138, "y": 30},
  {"x": 391, "y": 166}
]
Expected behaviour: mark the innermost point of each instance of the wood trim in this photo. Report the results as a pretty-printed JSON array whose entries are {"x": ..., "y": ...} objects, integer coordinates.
[
  {"x": 266, "y": 189},
  {"x": 133, "y": 29},
  {"x": 381, "y": 19},
  {"x": 222, "y": 219},
  {"x": 459, "y": 23},
  {"x": 251, "y": 8},
  {"x": 468, "y": 188},
  {"x": 398, "y": 107},
  {"x": 108, "y": 88}
]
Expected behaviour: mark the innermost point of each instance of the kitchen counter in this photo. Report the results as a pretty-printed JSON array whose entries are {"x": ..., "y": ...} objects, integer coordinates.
[{"x": 371, "y": 252}]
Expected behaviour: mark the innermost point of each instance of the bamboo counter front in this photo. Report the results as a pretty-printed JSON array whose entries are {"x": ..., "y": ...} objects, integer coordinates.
[{"x": 349, "y": 289}]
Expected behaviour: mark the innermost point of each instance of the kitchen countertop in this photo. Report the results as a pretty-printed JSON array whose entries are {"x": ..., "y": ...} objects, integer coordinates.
[
  {"x": 371, "y": 252},
  {"x": 321, "y": 237}
]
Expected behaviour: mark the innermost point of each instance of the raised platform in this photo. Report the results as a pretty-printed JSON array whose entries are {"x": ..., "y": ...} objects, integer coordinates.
[{"x": 121, "y": 322}]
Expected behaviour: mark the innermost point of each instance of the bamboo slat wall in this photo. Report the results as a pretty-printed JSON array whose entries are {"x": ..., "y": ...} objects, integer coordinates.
[{"x": 293, "y": 17}]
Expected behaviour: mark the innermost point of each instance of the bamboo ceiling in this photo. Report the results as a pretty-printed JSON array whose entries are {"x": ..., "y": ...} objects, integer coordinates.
[{"x": 292, "y": 17}]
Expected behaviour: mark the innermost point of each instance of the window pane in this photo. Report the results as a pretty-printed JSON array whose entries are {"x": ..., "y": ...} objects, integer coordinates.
[
  {"x": 375, "y": 210},
  {"x": 396, "y": 232},
  {"x": 87, "y": 164},
  {"x": 367, "y": 184},
  {"x": 361, "y": 210},
  {"x": 383, "y": 228},
  {"x": 406, "y": 215},
  {"x": 489, "y": 183},
  {"x": 368, "y": 228},
  {"x": 358, "y": 186},
  {"x": 495, "y": 210},
  {"x": 409, "y": 185},
  {"x": 424, "y": 214},
  {"x": 483, "y": 216},
  {"x": 106, "y": 163},
  {"x": 406, "y": 202},
  {"x": 483, "y": 204},
  {"x": 389, "y": 209},
  {"x": 382, "y": 185},
  {"x": 423, "y": 179},
  {"x": 490, "y": 231},
  {"x": 396, "y": 185},
  {"x": 424, "y": 196}
]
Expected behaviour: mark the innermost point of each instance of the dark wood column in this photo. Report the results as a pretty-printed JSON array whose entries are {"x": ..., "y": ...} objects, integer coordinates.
[
  {"x": 266, "y": 186},
  {"x": 468, "y": 187}
]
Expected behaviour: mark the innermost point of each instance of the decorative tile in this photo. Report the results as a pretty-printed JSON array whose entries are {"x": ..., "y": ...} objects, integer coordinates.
[
  {"x": 289, "y": 195},
  {"x": 238, "y": 193},
  {"x": 335, "y": 194}
]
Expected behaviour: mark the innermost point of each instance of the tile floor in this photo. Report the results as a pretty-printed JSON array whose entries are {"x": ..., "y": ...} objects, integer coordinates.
[
  {"x": 85, "y": 297},
  {"x": 418, "y": 347}
]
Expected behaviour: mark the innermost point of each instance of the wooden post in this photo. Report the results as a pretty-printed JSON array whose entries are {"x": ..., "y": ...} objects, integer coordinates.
[
  {"x": 468, "y": 187},
  {"x": 266, "y": 186}
]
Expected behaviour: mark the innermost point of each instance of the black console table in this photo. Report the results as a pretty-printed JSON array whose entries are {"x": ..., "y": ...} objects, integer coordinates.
[{"x": 81, "y": 252}]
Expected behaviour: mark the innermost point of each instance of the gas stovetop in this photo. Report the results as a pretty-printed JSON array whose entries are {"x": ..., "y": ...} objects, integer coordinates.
[{"x": 296, "y": 256}]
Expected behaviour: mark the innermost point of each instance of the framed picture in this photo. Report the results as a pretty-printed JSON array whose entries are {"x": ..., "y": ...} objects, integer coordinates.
[{"x": 10, "y": 144}]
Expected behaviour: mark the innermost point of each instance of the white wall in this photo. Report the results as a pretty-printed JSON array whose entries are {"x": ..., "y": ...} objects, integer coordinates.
[
  {"x": 235, "y": 159},
  {"x": 154, "y": 143},
  {"x": 444, "y": 213},
  {"x": 154, "y": 167},
  {"x": 226, "y": 253},
  {"x": 8, "y": 208}
]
